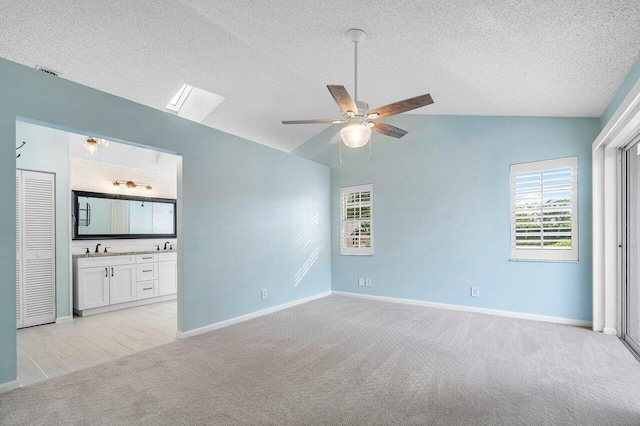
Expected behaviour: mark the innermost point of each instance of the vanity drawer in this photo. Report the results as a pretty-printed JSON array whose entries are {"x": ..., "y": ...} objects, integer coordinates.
[
  {"x": 147, "y": 258},
  {"x": 147, "y": 271},
  {"x": 91, "y": 262},
  {"x": 147, "y": 289}
]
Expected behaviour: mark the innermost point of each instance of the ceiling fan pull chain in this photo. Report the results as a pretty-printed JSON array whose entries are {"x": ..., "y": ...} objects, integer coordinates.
[
  {"x": 340, "y": 152},
  {"x": 370, "y": 143}
]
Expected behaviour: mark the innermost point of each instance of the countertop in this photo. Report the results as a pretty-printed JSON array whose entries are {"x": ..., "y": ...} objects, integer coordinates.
[{"x": 121, "y": 253}]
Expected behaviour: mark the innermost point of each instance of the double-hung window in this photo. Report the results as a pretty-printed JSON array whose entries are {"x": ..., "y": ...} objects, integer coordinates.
[
  {"x": 356, "y": 224},
  {"x": 544, "y": 210}
]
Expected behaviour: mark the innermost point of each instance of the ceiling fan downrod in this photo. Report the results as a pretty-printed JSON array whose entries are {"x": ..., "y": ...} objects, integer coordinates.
[{"x": 357, "y": 36}]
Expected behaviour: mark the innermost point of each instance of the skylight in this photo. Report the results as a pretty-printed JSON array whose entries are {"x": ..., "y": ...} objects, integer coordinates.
[{"x": 194, "y": 104}]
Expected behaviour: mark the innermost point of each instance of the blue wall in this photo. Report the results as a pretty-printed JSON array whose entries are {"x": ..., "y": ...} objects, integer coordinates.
[
  {"x": 252, "y": 217},
  {"x": 47, "y": 150},
  {"x": 441, "y": 212},
  {"x": 623, "y": 90}
]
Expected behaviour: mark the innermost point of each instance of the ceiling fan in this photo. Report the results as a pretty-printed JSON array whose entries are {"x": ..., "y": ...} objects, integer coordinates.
[{"x": 361, "y": 120}]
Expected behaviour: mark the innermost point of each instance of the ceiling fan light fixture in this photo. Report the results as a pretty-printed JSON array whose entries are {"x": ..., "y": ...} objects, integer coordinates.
[
  {"x": 355, "y": 135},
  {"x": 357, "y": 132}
]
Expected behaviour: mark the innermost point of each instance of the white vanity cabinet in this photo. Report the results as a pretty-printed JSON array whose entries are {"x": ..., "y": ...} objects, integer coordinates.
[
  {"x": 122, "y": 284},
  {"x": 168, "y": 273},
  {"x": 108, "y": 282},
  {"x": 101, "y": 281},
  {"x": 92, "y": 289}
]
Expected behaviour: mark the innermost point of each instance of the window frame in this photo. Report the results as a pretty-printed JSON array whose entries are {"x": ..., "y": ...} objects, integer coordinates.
[
  {"x": 355, "y": 251},
  {"x": 546, "y": 254}
]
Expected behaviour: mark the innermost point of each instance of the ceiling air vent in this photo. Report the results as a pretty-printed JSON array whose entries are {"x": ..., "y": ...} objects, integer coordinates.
[{"x": 48, "y": 71}]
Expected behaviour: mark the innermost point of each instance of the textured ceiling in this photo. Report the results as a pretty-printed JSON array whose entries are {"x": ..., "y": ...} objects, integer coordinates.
[{"x": 272, "y": 60}]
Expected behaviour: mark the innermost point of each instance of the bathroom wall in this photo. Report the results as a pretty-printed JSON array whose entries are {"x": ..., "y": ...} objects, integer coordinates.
[{"x": 92, "y": 176}]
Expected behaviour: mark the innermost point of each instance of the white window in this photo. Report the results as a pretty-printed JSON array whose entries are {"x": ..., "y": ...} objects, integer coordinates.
[
  {"x": 356, "y": 221},
  {"x": 544, "y": 210}
]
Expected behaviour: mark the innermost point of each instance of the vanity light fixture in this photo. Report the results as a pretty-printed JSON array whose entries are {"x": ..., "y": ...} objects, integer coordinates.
[
  {"x": 92, "y": 145},
  {"x": 130, "y": 185}
]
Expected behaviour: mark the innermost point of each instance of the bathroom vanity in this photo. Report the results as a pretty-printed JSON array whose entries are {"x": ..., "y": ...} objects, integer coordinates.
[{"x": 105, "y": 282}]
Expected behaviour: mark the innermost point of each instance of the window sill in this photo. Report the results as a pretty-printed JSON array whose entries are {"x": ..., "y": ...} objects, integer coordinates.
[{"x": 544, "y": 260}]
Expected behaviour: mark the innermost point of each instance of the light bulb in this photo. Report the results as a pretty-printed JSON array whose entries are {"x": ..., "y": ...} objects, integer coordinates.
[
  {"x": 355, "y": 135},
  {"x": 92, "y": 150}
]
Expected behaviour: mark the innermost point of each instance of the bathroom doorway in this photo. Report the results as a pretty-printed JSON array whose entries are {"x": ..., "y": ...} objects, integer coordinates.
[{"x": 116, "y": 244}]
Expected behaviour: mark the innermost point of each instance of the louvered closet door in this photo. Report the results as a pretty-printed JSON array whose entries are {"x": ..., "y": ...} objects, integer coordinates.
[
  {"x": 38, "y": 248},
  {"x": 19, "y": 295}
]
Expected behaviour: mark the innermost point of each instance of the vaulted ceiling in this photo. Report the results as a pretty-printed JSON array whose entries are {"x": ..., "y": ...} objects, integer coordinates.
[{"x": 272, "y": 60}]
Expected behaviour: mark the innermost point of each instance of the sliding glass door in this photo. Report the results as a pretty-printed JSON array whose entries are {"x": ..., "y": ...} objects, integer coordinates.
[{"x": 631, "y": 263}]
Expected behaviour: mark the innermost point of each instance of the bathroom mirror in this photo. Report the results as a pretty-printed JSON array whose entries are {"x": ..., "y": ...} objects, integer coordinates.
[{"x": 114, "y": 216}]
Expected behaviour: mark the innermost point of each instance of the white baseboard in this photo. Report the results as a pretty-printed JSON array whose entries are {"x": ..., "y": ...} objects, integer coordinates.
[
  {"x": 608, "y": 330},
  {"x": 62, "y": 320},
  {"x": 242, "y": 318},
  {"x": 9, "y": 386},
  {"x": 510, "y": 314}
]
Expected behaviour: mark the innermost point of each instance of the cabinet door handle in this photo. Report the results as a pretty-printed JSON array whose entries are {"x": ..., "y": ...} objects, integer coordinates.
[
  {"x": 106, "y": 272},
  {"x": 150, "y": 288},
  {"x": 147, "y": 270},
  {"x": 111, "y": 271},
  {"x": 144, "y": 258}
]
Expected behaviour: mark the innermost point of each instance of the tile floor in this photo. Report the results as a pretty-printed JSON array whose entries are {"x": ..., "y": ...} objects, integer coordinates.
[{"x": 50, "y": 350}]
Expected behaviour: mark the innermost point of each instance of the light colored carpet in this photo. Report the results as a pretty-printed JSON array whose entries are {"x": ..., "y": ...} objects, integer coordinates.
[{"x": 345, "y": 361}]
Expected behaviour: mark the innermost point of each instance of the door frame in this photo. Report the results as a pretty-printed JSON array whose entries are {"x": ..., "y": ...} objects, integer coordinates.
[
  {"x": 626, "y": 291},
  {"x": 608, "y": 270}
]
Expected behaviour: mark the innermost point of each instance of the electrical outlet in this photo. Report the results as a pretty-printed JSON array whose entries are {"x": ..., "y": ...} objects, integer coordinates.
[
  {"x": 264, "y": 293},
  {"x": 367, "y": 282},
  {"x": 475, "y": 291},
  {"x": 361, "y": 282}
]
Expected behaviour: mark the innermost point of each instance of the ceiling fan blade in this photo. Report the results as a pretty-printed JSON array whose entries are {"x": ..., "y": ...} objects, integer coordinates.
[
  {"x": 388, "y": 129},
  {"x": 322, "y": 120},
  {"x": 401, "y": 106},
  {"x": 343, "y": 99}
]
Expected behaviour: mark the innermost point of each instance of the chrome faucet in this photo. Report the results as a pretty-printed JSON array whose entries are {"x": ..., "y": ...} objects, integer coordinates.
[
  {"x": 165, "y": 244},
  {"x": 98, "y": 245}
]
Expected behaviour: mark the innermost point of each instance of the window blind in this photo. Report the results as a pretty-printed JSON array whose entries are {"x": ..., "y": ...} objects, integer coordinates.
[
  {"x": 356, "y": 236},
  {"x": 544, "y": 209}
]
